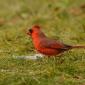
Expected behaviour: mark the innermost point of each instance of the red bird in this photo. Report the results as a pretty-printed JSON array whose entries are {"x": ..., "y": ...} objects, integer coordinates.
[{"x": 45, "y": 45}]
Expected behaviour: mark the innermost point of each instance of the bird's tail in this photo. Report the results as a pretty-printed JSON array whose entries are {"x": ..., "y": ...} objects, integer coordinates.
[{"x": 77, "y": 47}]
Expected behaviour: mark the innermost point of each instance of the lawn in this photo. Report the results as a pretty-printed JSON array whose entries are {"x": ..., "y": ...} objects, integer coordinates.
[{"x": 60, "y": 19}]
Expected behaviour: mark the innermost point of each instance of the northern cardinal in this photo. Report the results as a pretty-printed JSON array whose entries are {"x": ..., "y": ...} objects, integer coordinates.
[{"x": 45, "y": 45}]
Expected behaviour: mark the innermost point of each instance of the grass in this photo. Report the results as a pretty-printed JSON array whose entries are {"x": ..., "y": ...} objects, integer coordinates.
[{"x": 60, "y": 19}]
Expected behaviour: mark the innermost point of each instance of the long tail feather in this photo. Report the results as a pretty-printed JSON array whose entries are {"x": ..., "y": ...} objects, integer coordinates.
[{"x": 78, "y": 47}]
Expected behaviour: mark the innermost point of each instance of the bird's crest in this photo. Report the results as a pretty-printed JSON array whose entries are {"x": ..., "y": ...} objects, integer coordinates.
[{"x": 36, "y": 26}]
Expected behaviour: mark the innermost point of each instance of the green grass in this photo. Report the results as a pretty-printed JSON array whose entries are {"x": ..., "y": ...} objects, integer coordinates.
[{"x": 60, "y": 19}]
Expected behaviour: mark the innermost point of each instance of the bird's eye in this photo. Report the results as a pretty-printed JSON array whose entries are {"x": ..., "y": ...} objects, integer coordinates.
[{"x": 30, "y": 30}]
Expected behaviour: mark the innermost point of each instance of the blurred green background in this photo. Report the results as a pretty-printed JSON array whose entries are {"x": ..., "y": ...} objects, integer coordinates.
[{"x": 60, "y": 19}]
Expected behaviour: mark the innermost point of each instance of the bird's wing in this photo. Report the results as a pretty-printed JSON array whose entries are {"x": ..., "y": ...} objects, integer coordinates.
[{"x": 53, "y": 44}]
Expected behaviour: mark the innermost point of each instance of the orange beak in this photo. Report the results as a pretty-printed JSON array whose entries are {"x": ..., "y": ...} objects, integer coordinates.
[{"x": 28, "y": 32}]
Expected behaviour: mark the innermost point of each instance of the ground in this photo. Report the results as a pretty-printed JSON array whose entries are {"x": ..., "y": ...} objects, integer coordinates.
[{"x": 60, "y": 19}]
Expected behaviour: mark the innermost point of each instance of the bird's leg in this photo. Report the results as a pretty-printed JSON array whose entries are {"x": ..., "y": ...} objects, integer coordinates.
[
  {"x": 38, "y": 55},
  {"x": 60, "y": 56}
]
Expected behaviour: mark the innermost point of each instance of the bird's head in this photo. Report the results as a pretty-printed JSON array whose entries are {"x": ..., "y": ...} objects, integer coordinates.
[{"x": 34, "y": 29}]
